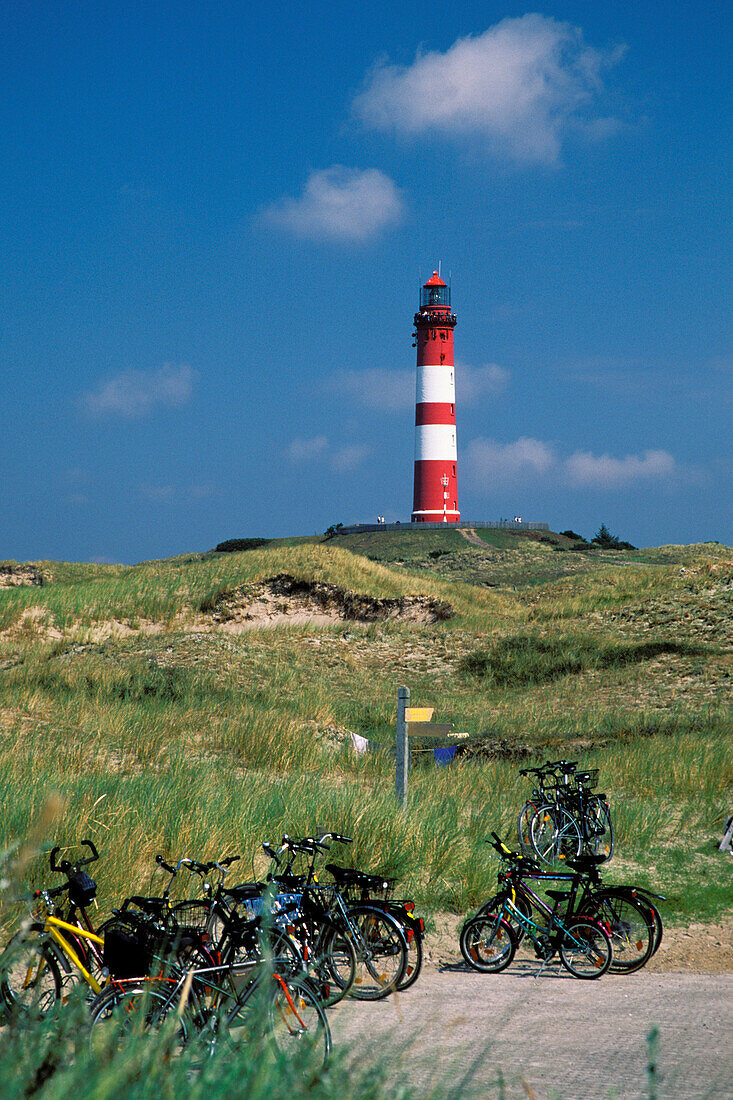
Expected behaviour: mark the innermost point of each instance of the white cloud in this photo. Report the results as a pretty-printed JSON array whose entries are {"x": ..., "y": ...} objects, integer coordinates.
[
  {"x": 377, "y": 388},
  {"x": 529, "y": 459},
  {"x": 340, "y": 203},
  {"x": 347, "y": 459},
  {"x": 473, "y": 383},
  {"x": 135, "y": 393},
  {"x": 604, "y": 471},
  {"x": 507, "y": 463},
  {"x": 305, "y": 450},
  {"x": 394, "y": 390},
  {"x": 519, "y": 85}
]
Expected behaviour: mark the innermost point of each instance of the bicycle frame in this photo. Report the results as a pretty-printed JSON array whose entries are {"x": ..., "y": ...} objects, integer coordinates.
[{"x": 55, "y": 926}]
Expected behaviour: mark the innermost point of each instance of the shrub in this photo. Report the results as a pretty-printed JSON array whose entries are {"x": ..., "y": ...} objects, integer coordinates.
[
  {"x": 607, "y": 541},
  {"x": 232, "y": 546}
]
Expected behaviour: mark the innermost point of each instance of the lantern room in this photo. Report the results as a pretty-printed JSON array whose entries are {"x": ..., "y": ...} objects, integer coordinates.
[{"x": 435, "y": 294}]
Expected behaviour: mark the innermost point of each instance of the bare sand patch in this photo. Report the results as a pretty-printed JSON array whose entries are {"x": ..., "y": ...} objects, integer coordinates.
[
  {"x": 287, "y": 599},
  {"x": 13, "y": 575}
]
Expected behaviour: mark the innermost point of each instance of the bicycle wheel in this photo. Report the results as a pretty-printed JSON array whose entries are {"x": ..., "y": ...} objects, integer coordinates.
[
  {"x": 488, "y": 943},
  {"x": 335, "y": 965},
  {"x": 381, "y": 953},
  {"x": 600, "y": 829},
  {"x": 127, "y": 1009},
  {"x": 496, "y": 904},
  {"x": 555, "y": 834},
  {"x": 296, "y": 1024},
  {"x": 585, "y": 948},
  {"x": 414, "y": 962},
  {"x": 630, "y": 926},
  {"x": 31, "y": 976},
  {"x": 656, "y": 918},
  {"x": 524, "y": 823}
]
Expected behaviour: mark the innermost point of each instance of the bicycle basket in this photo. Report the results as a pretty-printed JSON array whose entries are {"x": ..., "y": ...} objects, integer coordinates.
[
  {"x": 82, "y": 889},
  {"x": 129, "y": 948},
  {"x": 192, "y": 918}
]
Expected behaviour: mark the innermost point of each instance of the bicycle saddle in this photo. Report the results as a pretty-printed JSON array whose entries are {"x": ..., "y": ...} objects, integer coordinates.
[
  {"x": 350, "y": 877},
  {"x": 245, "y": 891},
  {"x": 586, "y": 863},
  {"x": 154, "y": 906}
]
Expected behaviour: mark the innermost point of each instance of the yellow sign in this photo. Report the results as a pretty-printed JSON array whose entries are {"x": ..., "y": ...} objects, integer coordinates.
[{"x": 419, "y": 714}]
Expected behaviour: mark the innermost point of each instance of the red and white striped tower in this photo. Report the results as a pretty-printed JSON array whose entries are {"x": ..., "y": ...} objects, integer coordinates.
[{"x": 436, "y": 496}]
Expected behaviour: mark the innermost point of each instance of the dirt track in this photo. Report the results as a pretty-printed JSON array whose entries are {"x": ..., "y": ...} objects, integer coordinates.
[{"x": 550, "y": 1037}]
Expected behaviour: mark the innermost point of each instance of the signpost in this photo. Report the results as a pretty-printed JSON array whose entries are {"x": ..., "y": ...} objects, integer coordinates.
[{"x": 403, "y": 752}]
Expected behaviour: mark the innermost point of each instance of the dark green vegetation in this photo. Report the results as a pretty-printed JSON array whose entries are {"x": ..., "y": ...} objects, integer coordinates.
[
  {"x": 165, "y": 729},
  {"x": 231, "y": 546},
  {"x": 524, "y": 659}
]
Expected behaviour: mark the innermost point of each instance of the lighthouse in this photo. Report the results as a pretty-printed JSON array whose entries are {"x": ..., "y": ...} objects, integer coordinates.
[{"x": 435, "y": 498}]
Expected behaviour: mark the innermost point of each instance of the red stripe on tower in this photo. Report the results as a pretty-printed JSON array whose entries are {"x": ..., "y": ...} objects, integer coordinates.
[{"x": 436, "y": 495}]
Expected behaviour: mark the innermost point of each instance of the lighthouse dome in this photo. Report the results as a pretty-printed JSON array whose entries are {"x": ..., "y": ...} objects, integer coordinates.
[{"x": 435, "y": 293}]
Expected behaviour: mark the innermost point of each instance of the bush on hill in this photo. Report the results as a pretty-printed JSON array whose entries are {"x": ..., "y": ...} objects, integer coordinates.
[
  {"x": 231, "y": 546},
  {"x": 607, "y": 541}
]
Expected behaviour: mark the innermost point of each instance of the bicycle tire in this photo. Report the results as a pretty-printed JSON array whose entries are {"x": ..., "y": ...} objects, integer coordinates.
[
  {"x": 414, "y": 962},
  {"x": 129, "y": 1008},
  {"x": 629, "y": 925},
  {"x": 25, "y": 995},
  {"x": 585, "y": 948},
  {"x": 488, "y": 943},
  {"x": 297, "y": 1026},
  {"x": 555, "y": 834},
  {"x": 524, "y": 823},
  {"x": 337, "y": 965},
  {"x": 381, "y": 953},
  {"x": 656, "y": 918},
  {"x": 601, "y": 842}
]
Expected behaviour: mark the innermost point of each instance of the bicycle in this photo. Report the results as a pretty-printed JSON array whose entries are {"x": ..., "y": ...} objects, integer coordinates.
[
  {"x": 58, "y": 947},
  {"x": 211, "y": 1002},
  {"x": 378, "y": 939},
  {"x": 488, "y": 942},
  {"x": 562, "y": 821}
]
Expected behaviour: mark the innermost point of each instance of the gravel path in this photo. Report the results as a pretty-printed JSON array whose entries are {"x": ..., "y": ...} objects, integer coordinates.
[{"x": 507, "y": 1036}]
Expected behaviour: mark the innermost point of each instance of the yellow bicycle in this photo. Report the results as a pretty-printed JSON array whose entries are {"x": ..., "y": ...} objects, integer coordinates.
[{"x": 58, "y": 947}]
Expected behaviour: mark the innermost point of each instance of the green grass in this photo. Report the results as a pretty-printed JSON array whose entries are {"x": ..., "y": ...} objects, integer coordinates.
[
  {"x": 193, "y": 740},
  {"x": 524, "y": 659}
]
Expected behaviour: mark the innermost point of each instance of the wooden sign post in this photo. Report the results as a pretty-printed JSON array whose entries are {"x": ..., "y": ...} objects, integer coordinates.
[{"x": 402, "y": 747}]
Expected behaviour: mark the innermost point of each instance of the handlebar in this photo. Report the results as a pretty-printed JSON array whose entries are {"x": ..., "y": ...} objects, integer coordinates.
[
  {"x": 66, "y": 867},
  {"x": 512, "y": 857},
  {"x": 51, "y": 893},
  {"x": 337, "y": 837},
  {"x": 185, "y": 862}
]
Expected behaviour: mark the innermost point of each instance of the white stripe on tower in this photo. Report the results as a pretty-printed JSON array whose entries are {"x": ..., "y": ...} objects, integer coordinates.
[
  {"x": 434, "y": 442},
  {"x": 435, "y": 384}
]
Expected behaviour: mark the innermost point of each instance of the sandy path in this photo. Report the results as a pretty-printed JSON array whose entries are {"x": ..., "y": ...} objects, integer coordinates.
[{"x": 459, "y": 1033}]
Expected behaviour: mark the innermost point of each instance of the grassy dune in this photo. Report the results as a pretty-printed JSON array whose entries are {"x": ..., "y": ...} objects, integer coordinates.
[{"x": 164, "y": 732}]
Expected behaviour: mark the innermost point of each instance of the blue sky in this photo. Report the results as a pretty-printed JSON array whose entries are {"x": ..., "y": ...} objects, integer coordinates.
[{"x": 213, "y": 222}]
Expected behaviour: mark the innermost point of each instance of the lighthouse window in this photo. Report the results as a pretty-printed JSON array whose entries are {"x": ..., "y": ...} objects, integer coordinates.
[{"x": 452, "y": 410}]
